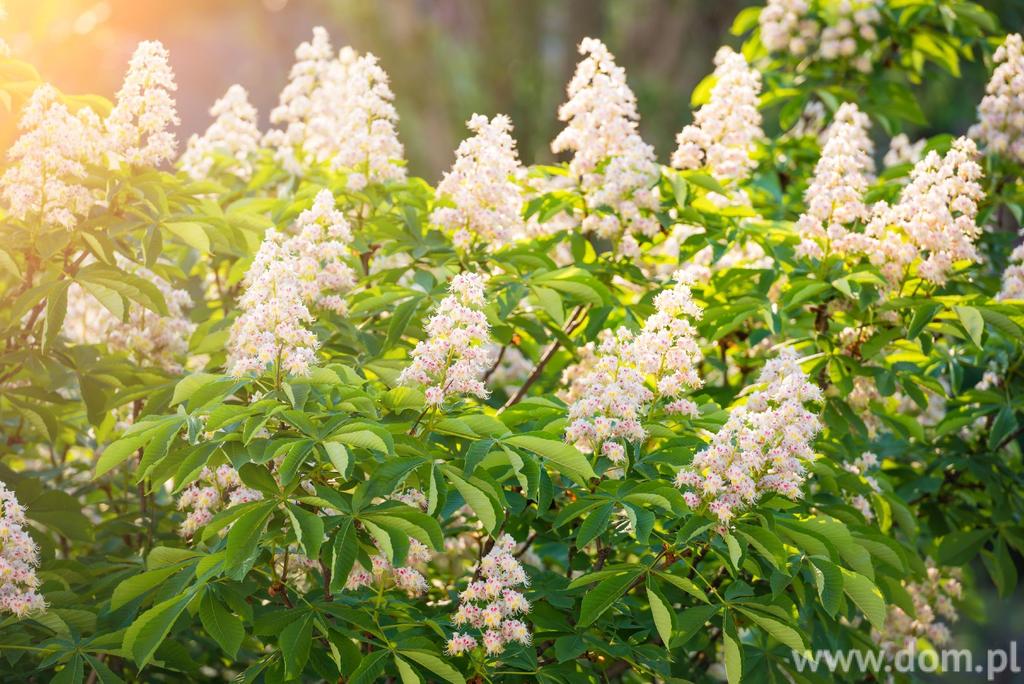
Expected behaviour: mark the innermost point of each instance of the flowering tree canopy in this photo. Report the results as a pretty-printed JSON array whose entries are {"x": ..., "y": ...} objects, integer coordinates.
[{"x": 274, "y": 409}]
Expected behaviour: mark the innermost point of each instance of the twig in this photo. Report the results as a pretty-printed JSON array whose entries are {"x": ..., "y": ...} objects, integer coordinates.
[{"x": 574, "y": 323}]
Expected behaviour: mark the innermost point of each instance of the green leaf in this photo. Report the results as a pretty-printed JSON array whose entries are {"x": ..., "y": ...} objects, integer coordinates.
[
  {"x": 684, "y": 583},
  {"x": 434, "y": 664},
  {"x": 338, "y": 455},
  {"x": 565, "y": 457},
  {"x": 486, "y": 509},
  {"x": 661, "y": 612},
  {"x": 343, "y": 554},
  {"x": 72, "y": 673},
  {"x": 294, "y": 642},
  {"x": 829, "y": 581},
  {"x": 149, "y": 630},
  {"x": 137, "y": 585},
  {"x": 191, "y": 233},
  {"x": 56, "y": 309},
  {"x": 604, "y": 595},
  {"x": 691, "y": 621},
  {"x": 958, "y": 548},
  {"x": 309, "y": 530},
  {"x": 972, "y": 321},
  {"x": 371, "y": 667},
  {"x": 776, "y": 627},
  {"x": 406, "y": 672},
  {"x": 245, "y": 534},
  {"x": 594, "y": 525},
  {"x": 222, "y": 625},
  {"x": 733, "y": 652},
  {"x": 865, "y": 596},
  {"x": 364, "y": 439}
]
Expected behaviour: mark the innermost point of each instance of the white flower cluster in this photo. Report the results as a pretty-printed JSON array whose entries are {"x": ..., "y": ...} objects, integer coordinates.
[
  {"x": 492, "y": 603},
  {"x": 147, "y": 337},
  {"x": 291, "y": 272},
  {"x": 455, "y": 355},
  {"x": 368, "y": 145},
  {"x": 337, "y": 109},
  {"x": 861, "y": 466},
  {"x": 45, "y": 180},
  {"x": 19, "y": 558},
  {"x": 834, "y": 198},
  {"x": 481, "y": 185},
  {"x": 1000, "y": 126},
  {"x": 296, "y": 101},
  {"x": 233, "y": 139},
  {"x": 832, "y": 33},
  {"x": 612, "y": 391},
  {"x": 406, "y": 578},
  {"x": 137, "y": 125},
  {"x": 615, "y": 168},
  {"x": 761, "y": 448},
  {"x": 1013, "y": 276},
  {"x": 902, "y": 151},
  {"x": 212, "y": 492},
  {"x": 934, "y": 219},
  {"x": 933, "y": 599},
  {"x": 726, "y": 129}
]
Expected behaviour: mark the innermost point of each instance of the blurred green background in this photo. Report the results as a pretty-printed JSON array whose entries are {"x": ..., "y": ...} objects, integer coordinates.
[{"x": 447, "y": 58}]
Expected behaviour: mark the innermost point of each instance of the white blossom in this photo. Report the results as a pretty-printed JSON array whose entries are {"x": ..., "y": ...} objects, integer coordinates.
[
  {"x": 1000, "y": 126},
  {"x": 726, "y": 129},
  {"x": 455, "y": 355},
  {"x": 46, "y": 178},
  {"x": 761, "y": 448},
  {"x": 835, "y": 197},
  {"x": 19, "y": 558},
  {"x": 481, "y": 186},
  {"x": 138, "y": 124},
  {"x": 614, "y": 167},
  {"x": 232, "y": 139}
]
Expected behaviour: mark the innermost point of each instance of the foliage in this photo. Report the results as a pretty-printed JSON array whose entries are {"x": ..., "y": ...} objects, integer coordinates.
[{"x": 328, "y": 524}]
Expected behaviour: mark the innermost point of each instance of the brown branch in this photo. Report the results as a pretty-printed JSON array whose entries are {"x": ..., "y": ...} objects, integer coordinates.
[{"x": 574, "y": 323}]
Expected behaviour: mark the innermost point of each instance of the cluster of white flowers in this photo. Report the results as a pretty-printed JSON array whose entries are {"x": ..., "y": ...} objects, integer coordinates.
[
  {"x": 725, "y": 130},
  {"x": 137, "y": 125},
  {"x": 272, "y": 327},
  {"x": 933, "y": 599},
  {"x": 492, "y": 603},
  {"x": 292, "y": 272},
  {"x": 320, "y": 241},
  {"x": 861, "y": 466},
  {"x": 934, "y": 219},
  {"x": 368, "y": 145},
  {"x": 1013, "y": 276},
  {"x": 1000, "y": 126},
  {"x": 455, "y": 355},
  {"x": 761, "y": 448},
  {"x": 337, "y": 109},
  {"x": 295, "y": 108},
  {"x": 902, "y": 151},
  {"x": 406, "y": 578},
  {"x": 834, "y": 198},
  {"x": 481, "y": 185},
  {"x": 232, "y": 139},
  {"x": 212, "y": 492},
  {"x": 45, "y": 180},
  {"x": 615, "y": 168},
  {"x": 832, "y": 33},
  {"x": 19, "y": 558},
  {"x": 612, "y": 391},
  {"x": 147, "y": 337}
]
